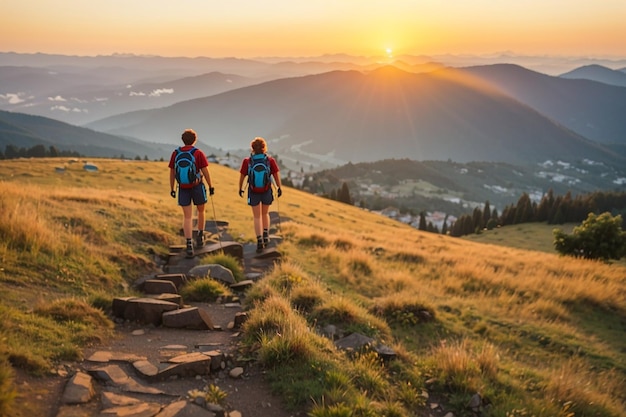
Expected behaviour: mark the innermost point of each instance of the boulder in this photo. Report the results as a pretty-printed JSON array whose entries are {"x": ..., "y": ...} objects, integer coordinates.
[
  {"x": 79, "y": 389},
  {"x": 354, "y": 342},
  {"x": 215, "y": 271}
]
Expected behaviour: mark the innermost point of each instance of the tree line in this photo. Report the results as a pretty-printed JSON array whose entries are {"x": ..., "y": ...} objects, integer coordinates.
[
  {"x": 552, "y": 209},
  {"x": 37, "y": 151}
]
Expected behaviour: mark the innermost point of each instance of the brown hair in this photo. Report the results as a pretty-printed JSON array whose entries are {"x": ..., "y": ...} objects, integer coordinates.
[
  {"x": 258, "y": 145},
  {"x": 189, "y": 137}
]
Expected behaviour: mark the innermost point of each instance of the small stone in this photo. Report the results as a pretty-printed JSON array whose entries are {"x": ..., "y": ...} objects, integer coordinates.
[
  {"x": 236, "y": 372},
  {"x": 139, "y": 332}
]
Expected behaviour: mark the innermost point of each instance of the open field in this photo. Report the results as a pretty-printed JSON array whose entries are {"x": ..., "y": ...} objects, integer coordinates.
[{"x": 535, "y": 333}]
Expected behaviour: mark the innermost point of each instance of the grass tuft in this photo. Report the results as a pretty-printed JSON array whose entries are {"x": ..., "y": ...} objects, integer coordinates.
[
  {"x": 7, "y": 389},
  {"x": 204, "y": 290},
  {"x": 228, "y": 262}
]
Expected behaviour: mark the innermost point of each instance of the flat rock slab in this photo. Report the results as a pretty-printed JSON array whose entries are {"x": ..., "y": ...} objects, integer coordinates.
[
  {"x": 146, "y": 368},
  {"x": 159, "y": 286},
  {"x": 172, "y": 298},
  {"x": 269, "y": 253},
  {"x": 147, "y": 310},
  {"x": 242, "y": 286},
  {"x": 111, "y": 399},
  {"x": 188, "y": 357},
  {"x": 108, "y": 356},
  {"x": 233, "y": 249},
  {"x": 177, "y": 279},
  {"x": 114, "y": 375},
  {"x": 192, "y": 365},
  {"x": 135, "y": 410},
  {"x": 188, "y": 318},
  {"x": 185, "y": 409}
]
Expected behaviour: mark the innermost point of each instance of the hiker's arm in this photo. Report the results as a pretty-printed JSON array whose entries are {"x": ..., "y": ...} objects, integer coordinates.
[
  {"x": 277, "y": 179},
  {"x": 207, "y": 176},
  {"x": 241, "y": 177},
  {"x": 172, "y": 179}
]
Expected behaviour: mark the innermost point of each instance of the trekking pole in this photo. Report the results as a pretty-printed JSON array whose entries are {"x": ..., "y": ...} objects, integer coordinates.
[
  {"x": 278, "y": 210},
  {"x": 217, "y": 230}
]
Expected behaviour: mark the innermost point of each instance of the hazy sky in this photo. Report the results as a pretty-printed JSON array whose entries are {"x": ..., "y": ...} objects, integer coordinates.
[{"x": 254, "y": 28}]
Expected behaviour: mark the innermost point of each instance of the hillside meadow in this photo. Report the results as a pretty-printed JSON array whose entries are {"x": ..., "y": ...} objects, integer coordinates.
[{"x": 534, "y": 333}]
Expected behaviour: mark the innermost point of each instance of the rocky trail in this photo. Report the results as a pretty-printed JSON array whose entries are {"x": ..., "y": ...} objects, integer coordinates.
[{"x": 165, "y": 348}]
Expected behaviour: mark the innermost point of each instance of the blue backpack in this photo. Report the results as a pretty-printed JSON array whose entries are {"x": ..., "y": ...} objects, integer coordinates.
[
  {"x": 259, "y": 173},
  {"x": 185, "y": 167}
]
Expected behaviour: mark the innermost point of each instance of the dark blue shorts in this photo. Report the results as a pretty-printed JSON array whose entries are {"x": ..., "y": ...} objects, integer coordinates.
[
  {"x": 254, "y": 199},
  {"x": 196, "y": 194}
]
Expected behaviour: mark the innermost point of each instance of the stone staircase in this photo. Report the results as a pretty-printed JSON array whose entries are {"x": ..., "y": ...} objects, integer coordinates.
[{"x": 190, "y": 345}]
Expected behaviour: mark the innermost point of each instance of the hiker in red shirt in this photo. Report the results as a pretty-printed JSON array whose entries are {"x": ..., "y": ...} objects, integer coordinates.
[
  {"x": 188, "y": 166},
  {"x": 260, "y": 168}
]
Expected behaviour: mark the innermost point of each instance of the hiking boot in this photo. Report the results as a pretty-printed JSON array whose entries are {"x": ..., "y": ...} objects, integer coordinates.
[
  {"x": 259, "y": 246},
  {"x": 266, "y": 239},
  {"x": 200, "y": 239},
  {"x": 189, "y": 249}
]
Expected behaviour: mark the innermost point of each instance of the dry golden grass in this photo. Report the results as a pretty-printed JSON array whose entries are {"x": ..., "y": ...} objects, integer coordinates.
[{"x": 504, "y": 313}]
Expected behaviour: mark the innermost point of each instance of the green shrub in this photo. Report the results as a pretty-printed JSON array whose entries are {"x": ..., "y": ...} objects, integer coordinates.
[{"x": 598, "y": 237}]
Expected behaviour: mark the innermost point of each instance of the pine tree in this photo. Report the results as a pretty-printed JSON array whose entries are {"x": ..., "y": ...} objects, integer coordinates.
[
  {"x": 343, "y": 194},
  {"x": 486, "y": 213},
  {"x": 422, "y": 223}
]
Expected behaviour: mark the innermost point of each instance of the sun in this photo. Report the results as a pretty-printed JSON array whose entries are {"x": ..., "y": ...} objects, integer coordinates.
[{"x": 389, "y": 52}]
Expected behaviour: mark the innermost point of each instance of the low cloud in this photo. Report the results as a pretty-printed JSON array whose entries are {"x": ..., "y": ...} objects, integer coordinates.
[
  {"x": 12, "y": 98},
  {"x": 68, "y": 109},
  {"x": 159, "y": 92},
  {"x": 56, "y": 98},
  {"x": 154, "y": 93}
]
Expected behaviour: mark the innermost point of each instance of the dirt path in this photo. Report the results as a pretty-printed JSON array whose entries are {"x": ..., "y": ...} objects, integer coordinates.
[{"x": 249, "y": 394}]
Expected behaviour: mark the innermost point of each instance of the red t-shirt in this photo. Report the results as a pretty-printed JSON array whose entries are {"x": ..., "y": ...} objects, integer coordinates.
[
  {"x": 200, "y": 157},
  {"x": 246, "y": 162}
]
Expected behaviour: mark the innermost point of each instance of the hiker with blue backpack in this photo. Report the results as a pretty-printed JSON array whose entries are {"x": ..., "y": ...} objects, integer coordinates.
[
  {"x": 260, "y": 168},
  {"x": 189, "y": 169}
]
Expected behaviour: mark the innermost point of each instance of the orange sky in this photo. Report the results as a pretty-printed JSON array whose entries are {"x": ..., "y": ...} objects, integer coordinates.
[{"x": 254, "y": 28}]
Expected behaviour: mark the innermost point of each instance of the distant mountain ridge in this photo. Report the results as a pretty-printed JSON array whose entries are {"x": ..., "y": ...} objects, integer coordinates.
[
  {"x": 26, "y": 131},
  {"x": 81, "y": 98},
  {"x": 360, "y": 117},
  {"x": 597, "y": 73},
  {"x": 592, "y": 109}
]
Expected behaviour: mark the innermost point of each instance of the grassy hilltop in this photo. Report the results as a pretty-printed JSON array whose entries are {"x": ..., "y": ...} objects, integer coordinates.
[{"x": 535, "y": 333}]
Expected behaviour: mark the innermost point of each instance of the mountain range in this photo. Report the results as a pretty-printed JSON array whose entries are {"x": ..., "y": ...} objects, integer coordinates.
[
  {"x": 351, "y": 116},
  {"x": 26, "y": 131},
  {"x": 489, "y": 132}
]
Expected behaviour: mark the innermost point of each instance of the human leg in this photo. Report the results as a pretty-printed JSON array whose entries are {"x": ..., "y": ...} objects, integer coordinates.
[
  {"x": 201, "y": 224},
  {"x": 199, "y": 199},
  {"x": 265, "y": 219},
  {"x": 187, "y": 228},
  {"x": 258, "y": 226}
]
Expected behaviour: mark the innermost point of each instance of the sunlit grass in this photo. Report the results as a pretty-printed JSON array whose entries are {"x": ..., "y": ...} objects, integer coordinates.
[
  {"x": 204, "y": 290},
  {"x": 461, "y": 316}
]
